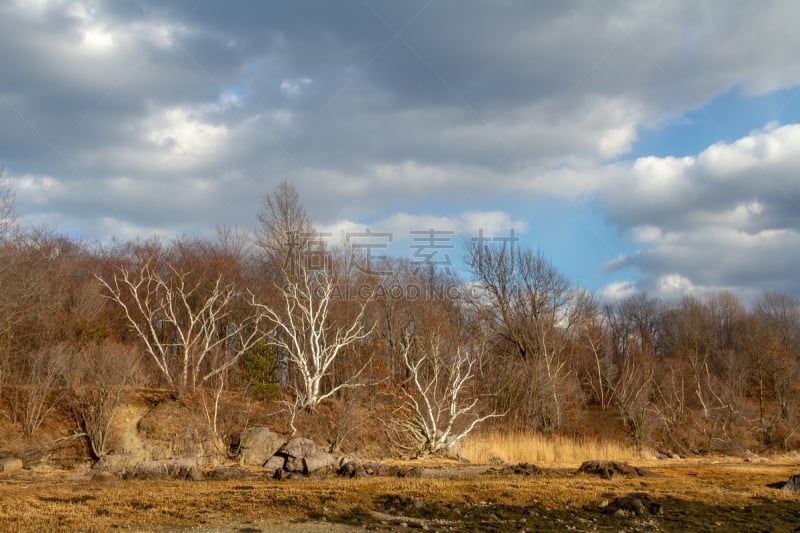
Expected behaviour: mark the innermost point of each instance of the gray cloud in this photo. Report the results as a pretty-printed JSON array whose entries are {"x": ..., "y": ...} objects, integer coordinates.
[{"x": 126, "y": 117}]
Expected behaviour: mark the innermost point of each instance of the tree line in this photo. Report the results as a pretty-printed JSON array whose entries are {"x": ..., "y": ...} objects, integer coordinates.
[{"x": 262, "y": 315}]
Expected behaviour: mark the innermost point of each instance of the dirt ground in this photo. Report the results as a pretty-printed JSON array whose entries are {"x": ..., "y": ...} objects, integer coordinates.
[{"x": 675, "y": 495}]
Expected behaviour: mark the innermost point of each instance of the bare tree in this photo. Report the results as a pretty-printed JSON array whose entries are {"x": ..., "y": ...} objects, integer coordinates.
[
  {"x": 772, "y": 346},
  {"x": 690, "y": 340},
  {"x": 38, "y": 390},
  {"x": 438, "y": 393},
  {"x": 95, "y": 377},
  {"x": 306, "y": 331},
  {"x": 534, "y": 311},
  {"x": 7, "y": 211},
  {"x": 182, "y": 326},
  {"x": 283, "y": 228},
  {"x": 598, "y": 369},
  {"x": 633, "y": 390}
]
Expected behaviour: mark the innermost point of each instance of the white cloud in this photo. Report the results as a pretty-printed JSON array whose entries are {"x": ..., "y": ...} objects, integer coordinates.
[
  {"x": 405, "y": 226},
  {"x": 646, "y": 233},
  {"x": 182, "y": 138},
  {"x": 618, "y": 290}
]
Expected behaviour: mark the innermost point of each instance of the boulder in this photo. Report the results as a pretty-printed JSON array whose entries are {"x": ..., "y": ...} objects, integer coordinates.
[
  {"x": 274, "y": 464},
  {"x": 607, "y": 469},
  {"x": 10, "y": 464},
  {"x": 118, "y": 463},
  {"x": 166, "y": 469},
  {"x": 257, "y": 445},
  {"x": 636, "y": 504},
  {"x": 521, "y": 469},
  {"x": 228, "y": 472},
  {"x": 352, "y": 469},
  {"x": 305, "y": 456},
  {"x": 793, "y": 485},
  {"x": 314, "y": 463}
]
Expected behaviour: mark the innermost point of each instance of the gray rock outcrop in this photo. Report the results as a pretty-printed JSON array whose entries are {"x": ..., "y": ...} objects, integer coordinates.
[{"x": 257, "y": 445}]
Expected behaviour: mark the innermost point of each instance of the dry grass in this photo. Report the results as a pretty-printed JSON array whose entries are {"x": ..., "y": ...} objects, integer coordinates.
[
  {"x": 65, "y": 503},
  {"x": 545, "y": 450}
]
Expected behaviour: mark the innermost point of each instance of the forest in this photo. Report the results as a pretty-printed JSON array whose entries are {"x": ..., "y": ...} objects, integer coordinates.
[{"x": 276, "y": 326}]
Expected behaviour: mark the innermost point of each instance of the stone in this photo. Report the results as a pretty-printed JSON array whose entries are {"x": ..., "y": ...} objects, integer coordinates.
[
  {"x": 296, "y": 450},
  {"x": 320, "y": 461},
  {"x": 274, "y": 463},
  {"x": 166, "y": 469},
  {"x": 118, "y": 463},
  {"x": 257, "y": 445},
  {"x": 793, "y": 485},
  {"x": 636, "y": 504},
  {"x": 607, "y": 469},
  {"x": 228, "y": 472},
  {"x": 351, "y": 469},
  {"x": 521, "y": 469}
]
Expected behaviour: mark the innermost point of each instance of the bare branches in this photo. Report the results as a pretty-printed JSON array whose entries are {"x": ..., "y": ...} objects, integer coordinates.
[
  {"x": 96, "y": 377},
  {"x": 312, "y": 340},
  {"x": 183, "y": 324},
  {"x": 283, "y": 227},
  {"x": 437, "y": 393},
  {"x": 7, "y": 211}
]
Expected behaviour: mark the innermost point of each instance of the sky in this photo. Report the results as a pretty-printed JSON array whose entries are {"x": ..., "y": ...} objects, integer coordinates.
[{"x": 641, "y": 146}]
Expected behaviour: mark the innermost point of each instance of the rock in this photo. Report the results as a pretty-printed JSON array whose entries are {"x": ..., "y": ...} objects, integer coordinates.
[
  {"x": 280, "y": 475},
  {"x": 521, "y": 469},
  {"x": 166, "y": 469},
  {"x": 674, "y": 456},
  {"x": 607, "y": 469},
  {"x": 257, "y": 445},
  {"x": 274, "y": 463},
  {"x": 296, "y": 450},
  {"x": 228, "y": 472},
  {"x": 636, "y": 504},
  {"x": 793, "y": 485},
  {"x": 351, "y": 469},
  {"x": 172, "y": 429},
  {"x": 118, "y": 463},
  {"x": 314, "y": 463},
  {"x": 10, "y": 464}
]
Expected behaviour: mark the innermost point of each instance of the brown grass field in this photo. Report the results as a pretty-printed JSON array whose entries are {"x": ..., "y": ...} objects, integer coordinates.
[{"x": 702, "y": 494}]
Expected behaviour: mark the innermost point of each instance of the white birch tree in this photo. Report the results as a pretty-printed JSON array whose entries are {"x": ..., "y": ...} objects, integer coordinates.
[
  {"x": 181, "y": 324},
  {"x": 304, "y": 330},
  {"x": 438, "y": 394}
]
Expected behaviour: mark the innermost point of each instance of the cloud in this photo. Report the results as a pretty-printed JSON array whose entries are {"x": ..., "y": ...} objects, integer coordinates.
[
  {"x": 126, "y": 118},
  {"x": 726, "y": 218},
  {"x": 618, "y": 290},
  {"x": 408, "y": 227},
  {"x": 294, "y": 87}
]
